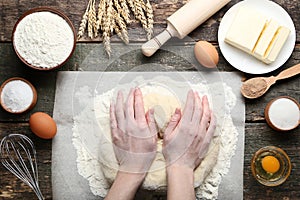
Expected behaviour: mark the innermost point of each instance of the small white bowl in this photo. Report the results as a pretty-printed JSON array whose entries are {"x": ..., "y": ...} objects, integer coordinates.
[{"x": 282, "y": 113}]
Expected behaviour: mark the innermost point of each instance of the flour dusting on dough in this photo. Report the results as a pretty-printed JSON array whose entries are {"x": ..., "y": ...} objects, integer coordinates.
[{"x": 99, "y": 166}]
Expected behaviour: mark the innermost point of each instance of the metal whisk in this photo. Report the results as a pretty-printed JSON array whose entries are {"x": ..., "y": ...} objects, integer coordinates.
[{"x": 18, "y": 155}]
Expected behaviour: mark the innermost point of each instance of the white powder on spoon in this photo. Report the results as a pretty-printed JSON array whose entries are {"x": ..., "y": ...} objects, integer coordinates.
[
  {"x": 43, "y": 39},
  {"x": 16, "y": 96}
]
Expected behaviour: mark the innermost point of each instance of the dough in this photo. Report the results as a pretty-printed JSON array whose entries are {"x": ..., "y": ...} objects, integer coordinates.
[
  {"x": 164, "y": 106},
  {"x": 164, "y": 103}
]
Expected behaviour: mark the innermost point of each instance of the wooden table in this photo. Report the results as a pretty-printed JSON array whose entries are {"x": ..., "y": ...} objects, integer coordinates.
[{"x": 257, "y": 132}]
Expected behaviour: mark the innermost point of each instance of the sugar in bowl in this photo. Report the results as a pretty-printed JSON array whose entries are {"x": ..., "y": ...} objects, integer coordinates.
[{"x": 17, "y": 95}]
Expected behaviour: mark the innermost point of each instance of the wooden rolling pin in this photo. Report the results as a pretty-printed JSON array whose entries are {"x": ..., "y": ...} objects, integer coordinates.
[{"x": 183, "y": 21}]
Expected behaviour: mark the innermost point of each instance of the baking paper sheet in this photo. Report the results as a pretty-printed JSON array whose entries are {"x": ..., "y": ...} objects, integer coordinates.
[{"x": 67, "y": 183}]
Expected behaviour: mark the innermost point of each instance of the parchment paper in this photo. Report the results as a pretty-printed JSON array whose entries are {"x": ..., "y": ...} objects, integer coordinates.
[{"x": 66, "y": 181}]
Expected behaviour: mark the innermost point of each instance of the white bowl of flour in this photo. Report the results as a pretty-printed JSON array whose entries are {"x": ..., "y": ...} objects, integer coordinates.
[{"x": 44, "y": 38}]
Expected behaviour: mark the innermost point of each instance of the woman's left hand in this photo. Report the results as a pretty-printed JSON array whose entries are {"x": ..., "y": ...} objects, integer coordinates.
[{"x": 134, "y": 133}]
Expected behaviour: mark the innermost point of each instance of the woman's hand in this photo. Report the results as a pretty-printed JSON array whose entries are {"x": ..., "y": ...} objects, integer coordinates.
[
  {"x": 186, "y": 141},
  {"x": 134, "y": 133},
  {"x": 187, "y": 136}
]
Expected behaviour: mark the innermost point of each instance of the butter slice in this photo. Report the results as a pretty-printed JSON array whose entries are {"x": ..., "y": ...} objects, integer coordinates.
[
  {"x": 276, "y": 45},
  {"x": 246, "y": 29},
  {"x": 265, "y": 39}
]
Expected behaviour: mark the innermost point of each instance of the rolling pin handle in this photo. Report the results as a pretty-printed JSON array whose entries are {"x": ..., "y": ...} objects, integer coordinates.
[{"x": 150, "y": 47}]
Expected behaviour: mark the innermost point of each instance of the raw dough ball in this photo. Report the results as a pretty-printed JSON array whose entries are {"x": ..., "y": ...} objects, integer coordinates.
[
  {"x": 164, "y": 107},
  {"x": 164, "y": 103}
]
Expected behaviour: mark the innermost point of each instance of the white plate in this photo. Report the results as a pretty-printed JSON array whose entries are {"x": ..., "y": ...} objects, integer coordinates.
[{"x": 245, "y": 62}]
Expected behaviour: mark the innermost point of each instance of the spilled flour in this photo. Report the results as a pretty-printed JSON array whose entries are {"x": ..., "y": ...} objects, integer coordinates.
[{"x": 95, "y": 157}]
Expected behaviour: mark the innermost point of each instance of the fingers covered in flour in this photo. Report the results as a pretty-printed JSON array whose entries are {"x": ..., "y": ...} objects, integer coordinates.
[
  {"x": 129, "y": 109},
  {"x": 210, "y": 130},
  {"x": 188, "y": 136},
  {"x": 151, "y": 122},
  {"x": 172, "y": 125},
  {"x": 139, "y": 111},
  {"x": 189, "y": 107},
  {"x": 119, "y": 111},
  {"x": 198, "y": 110},
  {"x": 133, "y": 132}
]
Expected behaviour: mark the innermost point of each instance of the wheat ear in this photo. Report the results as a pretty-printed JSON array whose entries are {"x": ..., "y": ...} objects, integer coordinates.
[
  {"x": 142, "y": 3},
  {"x": 122, "y": 10},
  {"x": 149, "y": 13},
  {"x": 107, "y": 27},
  {"x": 118, "y": 31},
  {"x": 139, "y": 13},
  {"x": 101, "y": 12},
  {"x": 92, "y": 20},
  {"x": 83, "y": 23},
  {"x": 119, "y": 22}
]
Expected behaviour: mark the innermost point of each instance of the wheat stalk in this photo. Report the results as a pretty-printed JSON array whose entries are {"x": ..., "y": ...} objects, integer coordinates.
[
  {"x": 119, "y": 32},
  {"x": 101, "y": 12},
  {"x": 92, "y": 20},
  {"x": 119, "y": 22},
  {"x": 142, "y": 3},
  {"x": 149, "y": 13},
  {"x": 113, "y": 16},
  {"x": 126, "y": 11},
  {"x": 107, "y": 27},
  {"x": 139, "y": 13},
  {"x": 122, "y": 10},
  {"x": 83, "y": 23},
  {"x": 131, "y": 5}
]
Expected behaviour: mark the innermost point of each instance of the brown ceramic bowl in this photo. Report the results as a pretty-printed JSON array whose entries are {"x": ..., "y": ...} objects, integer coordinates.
[
  {"x": 271, "y": 179},
  {"x": 272, "y": 123},
  {"x": 33, "y": 102},
  {"x": 54, "y": 11}
]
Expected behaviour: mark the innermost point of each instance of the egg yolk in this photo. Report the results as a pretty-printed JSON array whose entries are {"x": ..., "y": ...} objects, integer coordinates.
[{"x": 270, "y": 164}]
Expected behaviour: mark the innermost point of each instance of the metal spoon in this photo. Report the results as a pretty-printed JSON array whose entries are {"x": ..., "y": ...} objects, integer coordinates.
[{"x": 256, "y": 87}]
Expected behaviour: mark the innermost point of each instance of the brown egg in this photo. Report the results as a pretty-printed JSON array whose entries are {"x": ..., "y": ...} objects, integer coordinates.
[
  {"x": 42, "y": 125},
  {"x": 206, "y": 54}
]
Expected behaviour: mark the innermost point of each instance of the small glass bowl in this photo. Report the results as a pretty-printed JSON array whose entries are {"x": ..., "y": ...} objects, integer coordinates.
[
  {"x": 34, "y": 98},
  {"x": 271, "y": 179}
]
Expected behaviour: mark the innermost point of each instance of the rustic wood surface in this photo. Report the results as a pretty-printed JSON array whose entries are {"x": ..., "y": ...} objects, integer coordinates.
[{"x": 257, "y": 133}]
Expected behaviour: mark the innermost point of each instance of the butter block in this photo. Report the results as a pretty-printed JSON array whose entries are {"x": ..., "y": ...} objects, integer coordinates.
[
  {"x": 246, "y": 28},
  {"x": 265, "y": 39},
  {"x": 276, "y": 44},
  {"x": 255, "y": 34}
]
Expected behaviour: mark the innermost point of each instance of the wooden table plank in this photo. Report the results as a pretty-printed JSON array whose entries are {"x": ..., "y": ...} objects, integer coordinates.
[{"x": 12, "y": 10}]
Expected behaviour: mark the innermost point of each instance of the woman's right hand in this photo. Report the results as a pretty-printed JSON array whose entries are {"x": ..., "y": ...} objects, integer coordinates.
[{"x": 188, "y": 135}]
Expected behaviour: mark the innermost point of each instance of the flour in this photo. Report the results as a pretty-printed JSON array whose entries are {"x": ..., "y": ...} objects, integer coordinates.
[
  {"x": 16, "y": 95},
  {"x": 99, "y": 166},
  {"x": 43, "y": 39}
]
